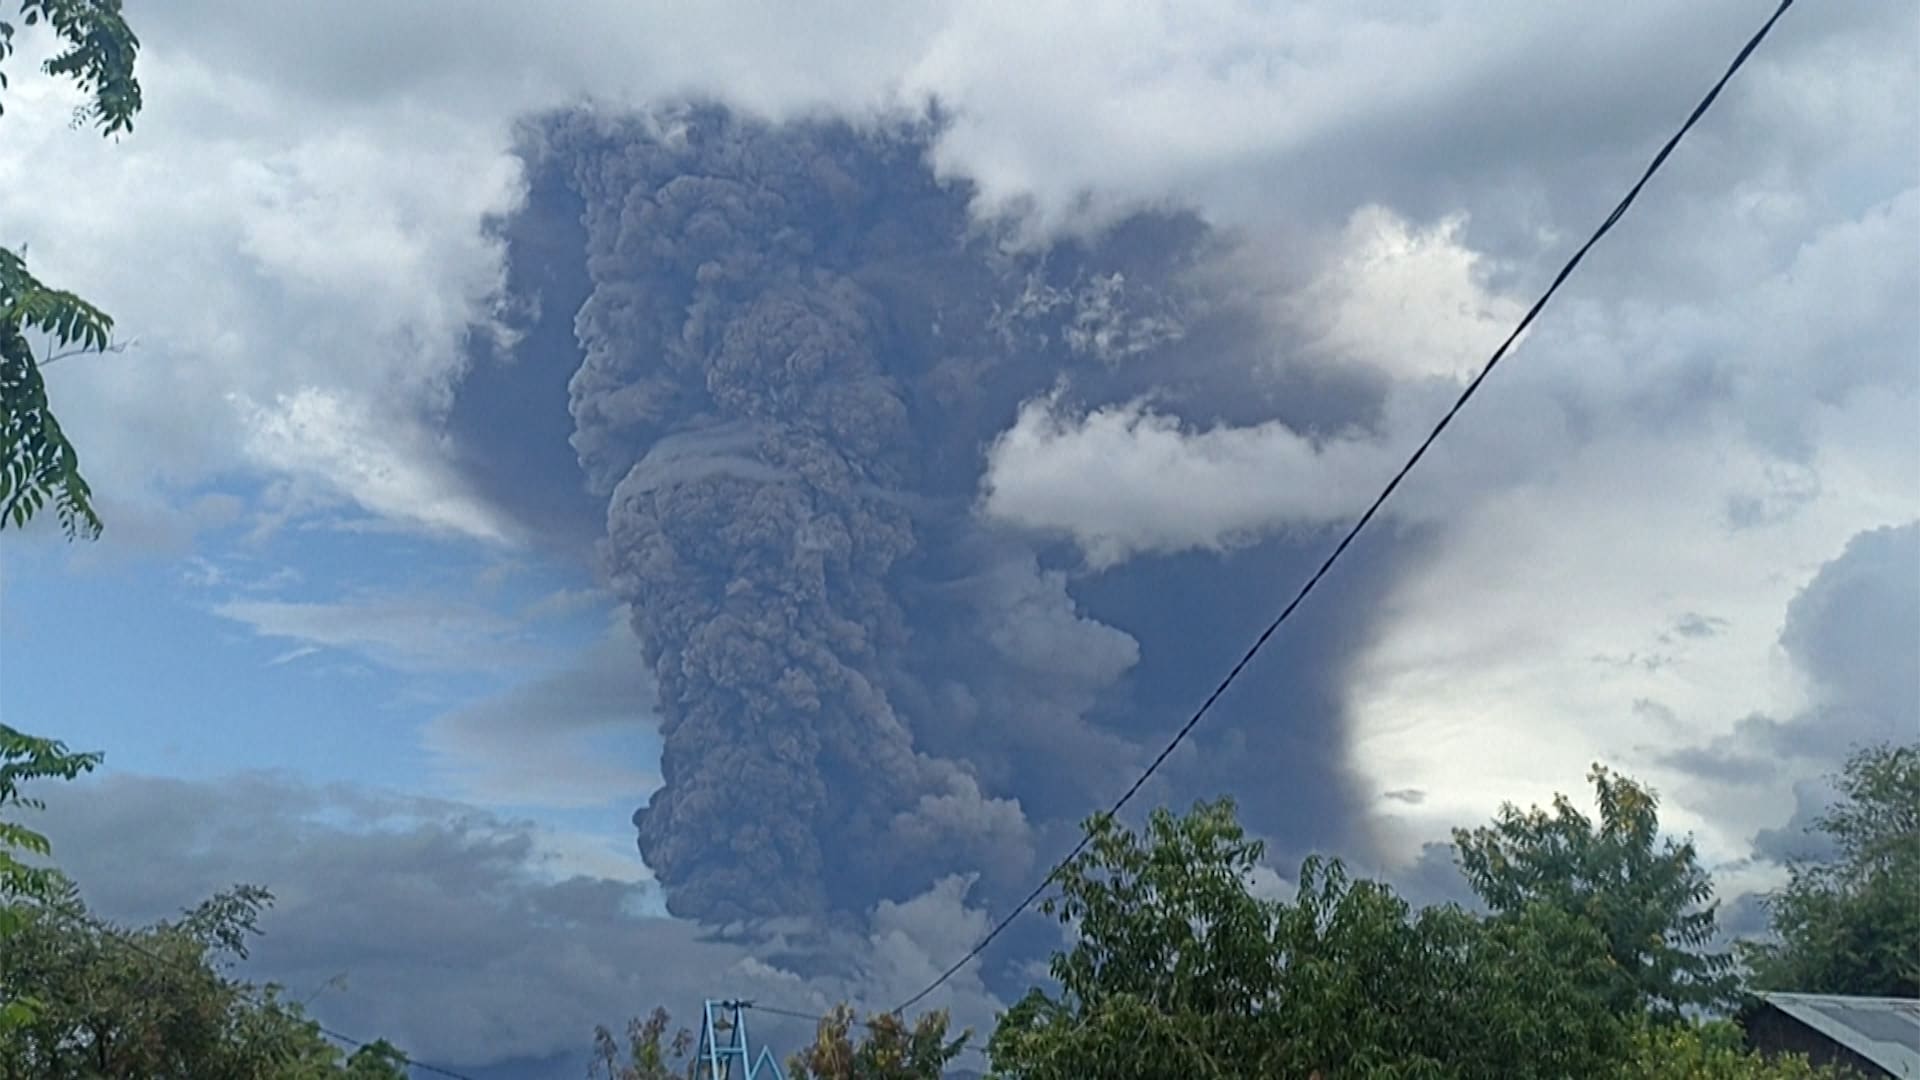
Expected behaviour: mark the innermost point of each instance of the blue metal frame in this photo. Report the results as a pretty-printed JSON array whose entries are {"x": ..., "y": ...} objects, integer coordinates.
[{"x": 719, "y": 1059}]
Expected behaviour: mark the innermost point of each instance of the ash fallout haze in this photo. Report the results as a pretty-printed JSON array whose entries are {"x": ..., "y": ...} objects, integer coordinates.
[{"x": 645, "y": 506}]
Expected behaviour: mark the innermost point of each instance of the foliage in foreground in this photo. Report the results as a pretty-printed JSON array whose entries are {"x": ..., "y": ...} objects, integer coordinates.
[
  {"x": 153, "y": 1002},
  {"x": 1851, "y": 925},
  {"x": 883, "y": 1047},
  {"x": 1593, "y": 956},
  {"x": 82, "y": 1000},
  {"x": 1710, "y": 1051},
  {"x": 648, "y": 1053},
  {"x": 1180, "y": 969},
  {"x": 1595, "y": 941},
  {"x": 37, "y": 462},
  {"x": 1648, "y": 897},
  {"x": 25, "y": 757}
]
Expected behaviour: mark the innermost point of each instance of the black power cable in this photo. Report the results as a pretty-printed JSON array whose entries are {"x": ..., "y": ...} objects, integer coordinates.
[{"x": 1340, "y": 549}]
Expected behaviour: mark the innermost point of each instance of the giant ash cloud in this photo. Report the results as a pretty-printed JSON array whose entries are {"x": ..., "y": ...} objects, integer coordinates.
[{"x": 797, "y": 349}]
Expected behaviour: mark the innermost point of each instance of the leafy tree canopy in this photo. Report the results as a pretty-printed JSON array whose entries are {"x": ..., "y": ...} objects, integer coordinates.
[
  {"x": 24, "y": 757},
  {"x": 154, "y": 1003},
  {"x": 97, "y": 53},
  {"x": 1851, "y": 924},
  {"x": 883, "y": 1047},
  {"x": 649, "y": 1054},
  {"x": 1179, "y": 969},
  {"x": 1649, "y": 897},
  {"x": 1709, "y": 1051}
]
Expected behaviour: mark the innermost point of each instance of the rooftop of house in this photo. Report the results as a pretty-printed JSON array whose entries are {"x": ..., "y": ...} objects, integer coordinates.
[{"x": 1884, "y": 1030}]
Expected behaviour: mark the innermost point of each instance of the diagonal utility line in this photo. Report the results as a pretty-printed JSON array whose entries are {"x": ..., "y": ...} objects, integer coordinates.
[{"x": 1379, "y": 500}]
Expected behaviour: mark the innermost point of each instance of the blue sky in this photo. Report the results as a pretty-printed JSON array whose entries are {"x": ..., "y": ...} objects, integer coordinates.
[{"x": 326, "y": 651}]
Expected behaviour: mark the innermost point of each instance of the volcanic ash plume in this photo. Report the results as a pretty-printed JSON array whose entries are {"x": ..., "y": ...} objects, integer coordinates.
[{"x": 797, "y": 345}]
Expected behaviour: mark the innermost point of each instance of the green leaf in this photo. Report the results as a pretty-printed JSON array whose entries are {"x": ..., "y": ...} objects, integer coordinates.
[
  {"x": 98, "y": 52},
  {"x": 37, "y": 459}
]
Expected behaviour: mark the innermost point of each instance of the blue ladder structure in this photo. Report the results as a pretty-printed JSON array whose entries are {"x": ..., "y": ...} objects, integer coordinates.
[{"x": 717, "y": 1060}]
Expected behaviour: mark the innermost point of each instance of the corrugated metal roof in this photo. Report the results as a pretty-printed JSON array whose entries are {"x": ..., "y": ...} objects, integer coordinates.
[{"x": 1885, "y": 1031}]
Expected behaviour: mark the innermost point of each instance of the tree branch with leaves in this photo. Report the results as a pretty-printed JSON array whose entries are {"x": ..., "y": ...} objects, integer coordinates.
[
  {"x": 1850, "y": 924},
  {"x": 38, "y": 463},
  {"x": 1648, "y": 894},
  {"x": 25, "y": 757}
]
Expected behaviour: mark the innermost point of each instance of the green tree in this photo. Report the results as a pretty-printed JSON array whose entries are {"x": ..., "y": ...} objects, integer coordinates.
[
  {"x": 37, "y": 461},
  {"x": 1710, "y": 1051},
  {"x": 378, "y": 1060},
  {"x": 1173, "y": 961},
  {"x": 1851, "y": 925},
  {"x": 1370, "y": 987},
  {"x": 649, "y": 1054},
  {"x": 153, "y": 1003},
  {"x": 883, "y": 1047},
  {"x": 24, "y": 757},
  {"x": 1647, "y": 896},
  {"x": 1178, "y": 968}
]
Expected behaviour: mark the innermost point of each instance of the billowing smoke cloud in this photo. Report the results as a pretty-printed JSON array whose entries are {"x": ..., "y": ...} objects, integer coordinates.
[{"x": 796, "y": 354}]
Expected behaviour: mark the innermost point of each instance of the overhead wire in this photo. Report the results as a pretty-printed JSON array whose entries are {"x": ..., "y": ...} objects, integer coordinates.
[
  {"x": 1373, "y": 508},
  {"x": 777, "y": 1011},
  {"x": 966, "y": 1048},
  {"x": 406, "y": 1062}
]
